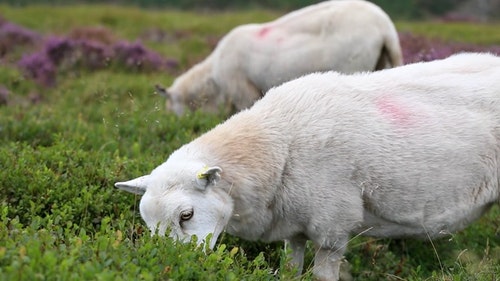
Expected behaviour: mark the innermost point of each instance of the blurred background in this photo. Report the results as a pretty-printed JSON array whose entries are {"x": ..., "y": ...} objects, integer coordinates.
[{"x": 410, "y": 9}]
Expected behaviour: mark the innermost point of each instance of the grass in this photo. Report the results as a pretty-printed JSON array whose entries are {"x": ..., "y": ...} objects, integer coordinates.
[
  {"x": 62, "y": 148},
  {"x": 479, "y": 33}
]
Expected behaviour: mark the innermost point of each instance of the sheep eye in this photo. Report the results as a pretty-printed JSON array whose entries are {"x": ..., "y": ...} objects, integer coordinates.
[{"x": 186, "y": 215}]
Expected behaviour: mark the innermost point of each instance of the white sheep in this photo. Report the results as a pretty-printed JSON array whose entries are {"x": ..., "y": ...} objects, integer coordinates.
[
  {"x": 412, "y": 151},
  {"x": 345, "y": 36}
]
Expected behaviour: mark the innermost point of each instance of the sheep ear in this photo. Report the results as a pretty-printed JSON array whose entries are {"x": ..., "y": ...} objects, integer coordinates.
[
  {"x": 137, "y": 186},
  {"x": 162, "y": 91},
  {"x": 208, "y": 176}
]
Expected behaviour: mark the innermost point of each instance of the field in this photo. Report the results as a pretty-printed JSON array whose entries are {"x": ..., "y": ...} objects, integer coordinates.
[{"x": 78, "y": 112}]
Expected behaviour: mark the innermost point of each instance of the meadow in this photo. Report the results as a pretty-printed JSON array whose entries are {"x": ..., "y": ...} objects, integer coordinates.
[{"x": 78, "y": 112}]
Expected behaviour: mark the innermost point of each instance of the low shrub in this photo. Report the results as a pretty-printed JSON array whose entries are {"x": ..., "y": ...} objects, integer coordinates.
[
  {"x": 51, "y": 248},
  {"x": 13, "y": 36},
  {"x": 60, "y": 55}
]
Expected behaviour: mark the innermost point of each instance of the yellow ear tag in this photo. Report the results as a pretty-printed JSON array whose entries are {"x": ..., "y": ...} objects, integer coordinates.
[{"x": 201, "y": 174}]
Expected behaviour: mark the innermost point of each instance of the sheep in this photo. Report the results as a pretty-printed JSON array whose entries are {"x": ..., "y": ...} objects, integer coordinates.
[
  {"x": 345, "y": 36},
  {"x": 412, "y": 151}
]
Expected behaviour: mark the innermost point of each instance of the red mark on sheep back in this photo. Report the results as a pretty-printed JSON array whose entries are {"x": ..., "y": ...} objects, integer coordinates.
[
  {"x": 263, "y": 32},
  {"x": 399, "y": 114}
]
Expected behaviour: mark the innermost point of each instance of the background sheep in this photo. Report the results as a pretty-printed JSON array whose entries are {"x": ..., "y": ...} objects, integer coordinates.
[{"x": 345, "y": 36}]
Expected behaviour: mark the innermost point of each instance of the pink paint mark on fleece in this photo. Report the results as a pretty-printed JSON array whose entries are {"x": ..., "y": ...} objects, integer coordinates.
[
  {"x": 263, "y": 32},
  {"x": 392, "y": 109}
]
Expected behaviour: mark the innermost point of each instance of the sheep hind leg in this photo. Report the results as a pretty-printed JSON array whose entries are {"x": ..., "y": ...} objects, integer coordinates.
[{"x": 383, "y": 60}]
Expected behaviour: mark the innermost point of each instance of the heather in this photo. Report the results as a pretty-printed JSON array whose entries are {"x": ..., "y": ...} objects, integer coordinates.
[
  {"x": 63, "y": 54},
  {"x": 13, "y": 35},
  {"x": 78, "y": 112}
]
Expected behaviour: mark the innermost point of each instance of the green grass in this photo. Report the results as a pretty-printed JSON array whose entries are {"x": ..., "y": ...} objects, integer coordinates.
[
  {"x": 480, "y": 33},
  {"x": 62, "y": 219}
]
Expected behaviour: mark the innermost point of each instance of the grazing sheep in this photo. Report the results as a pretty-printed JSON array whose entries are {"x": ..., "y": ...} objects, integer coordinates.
[
  {"x": 412, "y": 151},
  {"x": 345, "y": 36}
]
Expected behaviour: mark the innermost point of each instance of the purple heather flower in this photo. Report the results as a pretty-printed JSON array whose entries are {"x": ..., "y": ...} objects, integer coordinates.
[
  {"x": 58, "y": 49},
  {"x": 136, "y": 56},
  {"x": 17, "y": 33},
  {"x": 94, "y": 55},
  {"x": 39, "y": 67},
  {"x": 12, "y": 35}
]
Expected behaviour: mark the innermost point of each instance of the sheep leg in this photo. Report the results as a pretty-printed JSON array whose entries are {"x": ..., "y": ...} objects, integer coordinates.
[
  {"x": 297, "y": 246},
  {"x": 327, "y": 263}
]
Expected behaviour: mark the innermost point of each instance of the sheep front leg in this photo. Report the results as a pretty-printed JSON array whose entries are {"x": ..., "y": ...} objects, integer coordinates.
[
  {"x": 297, "y": 245},
  {"x": 327, "y": 263}
]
